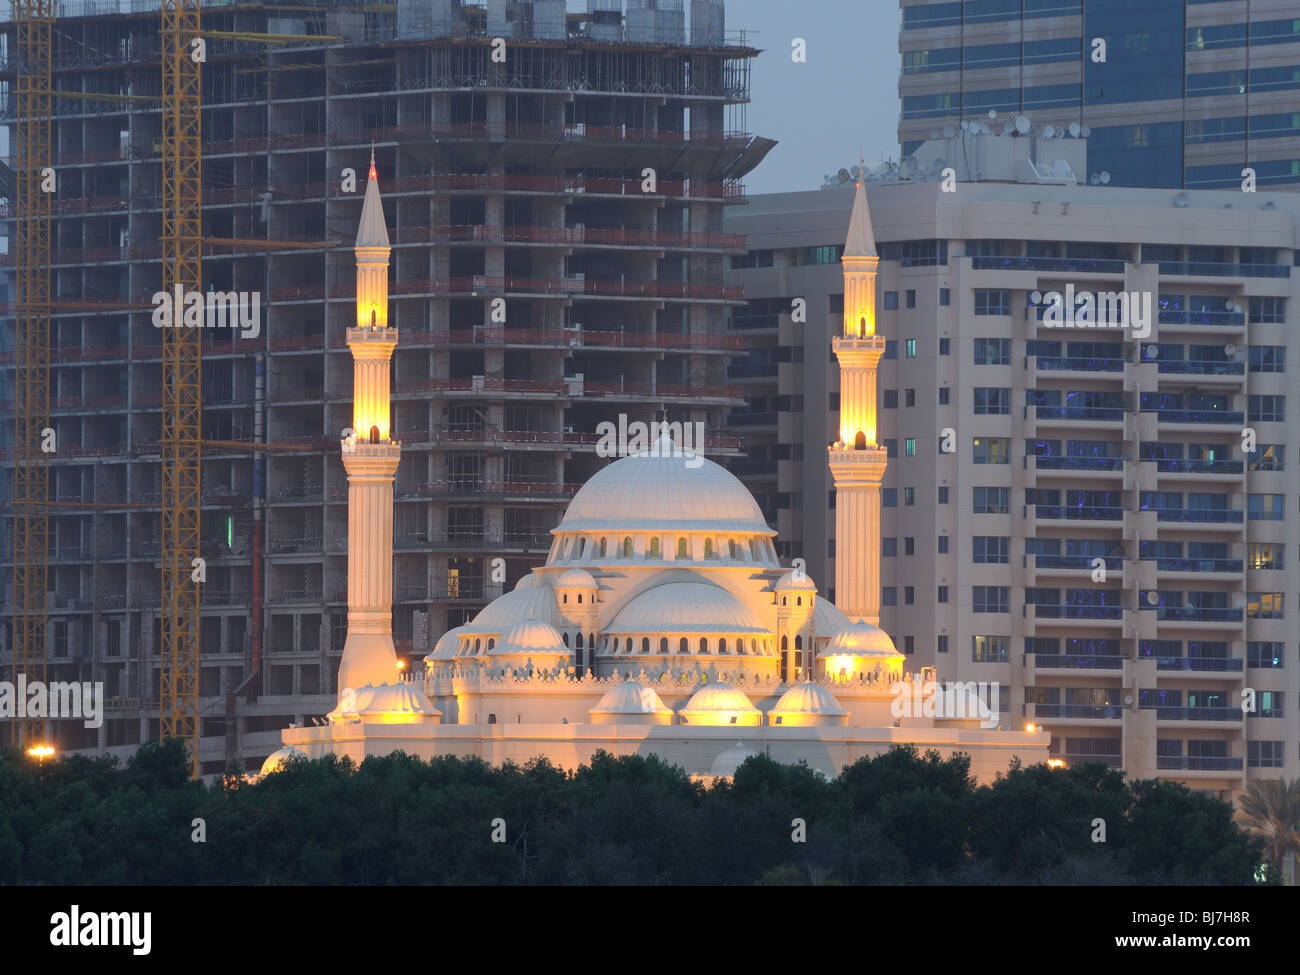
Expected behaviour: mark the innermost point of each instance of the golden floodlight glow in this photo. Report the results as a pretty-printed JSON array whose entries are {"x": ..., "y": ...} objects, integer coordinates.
[
  {"x": 1055, "y": 763},
  {"x": 1029, "y": 727},
  {"x": 41, "y": 752}
]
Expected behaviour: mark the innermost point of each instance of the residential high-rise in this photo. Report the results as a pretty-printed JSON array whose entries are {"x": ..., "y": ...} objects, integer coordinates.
[
  {"x": 1177, "y": 93},
  {"x": 1098, "y": 519},
  {"x": 555, "y": 210}
]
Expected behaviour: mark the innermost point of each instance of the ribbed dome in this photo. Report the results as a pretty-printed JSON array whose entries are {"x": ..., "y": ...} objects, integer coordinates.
[
  {"x": 531, "y": 637},
  {"x": 276, "y": 760},
  {"x": 790, "y": 582},
  {"x": 725, "y": 765},
  {"x": 686, "y": 607},
  {"x": 445, "y": 648},
  {"x": 862, "y": 640},
  {"x": 630, "y": 697},
  {"x": 576, "y": 579},
  {"x": 828, "y": 619},
  {"x": 807, "y": 698},
  {"x": 536, "y": 601},
  {"x": 527, "y": 582},
  {"x": 394, "y": 704},
  {"x": 717, "y": 699},
  {"x": 648, "y": 493}
]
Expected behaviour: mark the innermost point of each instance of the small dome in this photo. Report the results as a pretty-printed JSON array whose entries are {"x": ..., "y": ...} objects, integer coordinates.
[
  {"x": 861, "y": 639},
  {"x": 576, "y": 579},
  {"x": 631, "y": 697},
  {"x": 445, "y": 648},
  {"x": 686, "y": 607},
  {"x": 725, "y": 765},
  {"x": 790, "y": 581},
  {"x": 719, "y": 704},
  {"x": 809, "y": 699},
  {"x": 277, "y": 760},
  {"x": 395, "y": 704},
  {"x": 531, "y": 637}
]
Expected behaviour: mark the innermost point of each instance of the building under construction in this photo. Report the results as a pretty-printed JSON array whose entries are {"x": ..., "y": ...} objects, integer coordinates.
[{"x": 555, "y": 184}]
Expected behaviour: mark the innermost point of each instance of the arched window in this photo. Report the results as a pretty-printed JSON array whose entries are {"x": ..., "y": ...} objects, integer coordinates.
[
  {"x": 663, "y": 644},
  {"x": 565, "y": 598},
  {"x": 582, "y": 547},
  {"x": 722, "y": 645},
  {"x": 602, "y": 548},
  {"x": 579, "y": 597},
  {"x": 627, "y": 548},
  {"x": 785, "y": 600},
  {"x": 477, "y": 645},
  {"x": 753, "y": 550},
  {"x": 860, "y": 441},
  {"x": 682, "y": 552},
  {"x": 645, "y": 644},
  {"x": 798, "y": 643},
  {"x": 577, "y": 657},
  {"x": 628, "y": 646},
  {"x": 798, "y": 600},
  {"x": 491, "y": 644},
  {"x": 862, "y": 327},
  {"x": 565, "y": 637},
  {"x": 591, "y": 639},
  {"x": 577, "y": 640},
  {"x": 708, "y": 548},
  {"x": 683, "y": 645},
  {"x": 785, "y": 643},
  {"x": 753, "y": 646},
  {"x": 654, "y": 548},
  {"x": 704, "y": 644},
  {"x": 374, "y": 434},
  {"x": 731, "y": 548}
]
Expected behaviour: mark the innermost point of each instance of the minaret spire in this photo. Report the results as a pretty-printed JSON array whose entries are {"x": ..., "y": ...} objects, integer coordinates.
[
  {"x": 857, "y": 462},
  {"x": 370, "y": 456}
]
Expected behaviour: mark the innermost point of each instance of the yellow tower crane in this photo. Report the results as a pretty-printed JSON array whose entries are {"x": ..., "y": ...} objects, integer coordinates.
[{"x": 34, "y": 20}]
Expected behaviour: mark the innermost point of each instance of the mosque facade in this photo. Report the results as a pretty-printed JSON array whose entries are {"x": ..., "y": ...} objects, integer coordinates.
[{"x": 661, "y": 621}]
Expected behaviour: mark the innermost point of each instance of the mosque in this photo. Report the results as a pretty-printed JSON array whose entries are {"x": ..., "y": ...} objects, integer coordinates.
[{"x": 662, "y": 621}]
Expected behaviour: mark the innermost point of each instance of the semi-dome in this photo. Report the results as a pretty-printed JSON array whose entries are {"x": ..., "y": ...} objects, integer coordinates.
[
  {"x": 533, "y": 638},
  {"x": 790, "y": 582},
  {"x": 726, "y": 764},
  {"x": 664, "y": 493},
  {"x": 445, "y": 648},
  {"x": 575, "y": 579},
  {"x": 630, "y": 701},
  {"x": 277, "y": 760},
  {"x": 536, "y": 601},
  {"x": 398, "y": 703},
  {"x": 719, "y": 704},
  {"x": 686, "y": 607},
  {"x": 862, "y": 639},
  {"x": 808, "y": 698},
  {"x": 828, "y": 619}
]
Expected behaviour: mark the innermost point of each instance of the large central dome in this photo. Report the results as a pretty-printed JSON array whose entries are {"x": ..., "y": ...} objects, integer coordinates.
[{"x": 664, "y": 493}]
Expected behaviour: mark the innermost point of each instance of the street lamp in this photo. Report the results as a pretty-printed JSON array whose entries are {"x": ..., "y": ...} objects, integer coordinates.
[{"x": 40, "y": 753}]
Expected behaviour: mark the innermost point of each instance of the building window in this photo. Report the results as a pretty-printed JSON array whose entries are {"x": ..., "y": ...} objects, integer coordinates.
[
  {"x": 889, "y": 399},
  {"x": 909, "y": 595},
  {"x": 708, "y": 548},
  {"x": 943, "y": 544},
  {"x": 992, "y": 301},
  {"x": 1267, "y": 358},
  {"x": 891, "y": 301},
  {"x": 627, "y": 548},
  {"x": 945, "y": 299},
  {"x": 992, "y": 401},
  {"x": 891, "y": 349},
  {"x": 682, "y": 552},
  {"x": 1267, "y": 457},
  {"x": 943, "y": 494},
  {"x": 645, "y": 644},
  {"x": 1266, "y": 409},
  {"x": 990, "y": 599},
  {"x": 943, "y": 395},
  {"x": 942, "y": 594},
  {"x": 704, "y": 644},
  {"x": 1265, "y": 507},
  {"x": 891, "y": 447},
  {"x": 683, "y": 646},
  {"x": 1267, "y": 311},
  {"x": 889, "y": 497},
  {"x": 889, "y": 596},
  {"x": 909, "y": 448},
  {"x": 989, "y": 549},
  {"x": 888, "y": 547},
  {"x": 911, "y": 298},
  {"x": 991, "y": 450},
  {"x": 1265, "y": 754},
  {"x": 909, "y": 349},
  {"x": 909, "y": 397},
  {"x": 909, "y": 545},
  {"x": 989, "y": 649},
  {"x": 942, "y": 643},
  {"x": 909, "y": 496},
  {"x": 909, "y": 645},
  {"x": 991, "y": 500},
  {"x": 1265, "y": 654},
  {"x": 1264, "y": 605},
  {"x": 992, "y": 352},
  {"x": 654, "y": 548},
  {"x": 1268, "y": 704}
]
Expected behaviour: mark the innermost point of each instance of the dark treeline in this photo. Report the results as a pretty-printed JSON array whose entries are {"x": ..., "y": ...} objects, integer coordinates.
[{"x": 896, "y": 819}]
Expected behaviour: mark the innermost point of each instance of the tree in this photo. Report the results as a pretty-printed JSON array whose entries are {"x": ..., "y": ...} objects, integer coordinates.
[{"x": 1271, "y": 808}]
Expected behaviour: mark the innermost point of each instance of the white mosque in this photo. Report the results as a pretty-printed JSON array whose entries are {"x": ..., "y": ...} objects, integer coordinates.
[{"x": 661, "y": 622}]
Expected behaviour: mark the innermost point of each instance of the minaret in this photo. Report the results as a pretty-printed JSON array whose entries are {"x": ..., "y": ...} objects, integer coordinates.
[
  {"x": 370, "y": 457},
  {"x": 857, "y": 463}
]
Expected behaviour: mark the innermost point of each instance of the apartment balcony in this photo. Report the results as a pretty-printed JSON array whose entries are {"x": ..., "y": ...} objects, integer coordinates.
[
  {"x": 747, "y": 323},
  {"x": 300, "y": 545},
  {"x": 1214, "y": 666},
  {"x": 751, "y": 371},
  {"x": 752, "y": 419},
  {"x": 1073, "y": 565},
  {"x": 1081, "y": 465},
  {"x": 1087, "y": 512},
  {"x": 1199, "y": 467},
  {"x": 1214, "y": 519},
  {"x": 1199, "y": 567},
  {"x": 1199, "y": 269},
  {"x": 489, "y": 490},
  {"x": 1110, "y": 761},
  {"x": 1080, "y": 415},
  {"x": 1232, "y": 371},
  {"x": 1215, "y": 617},
  {"x": 463, "y": 590},
  {"x": 1074, "y": 265},
  {"x": 1210, "y": 418},
  {"x": 1082, "y": 713},
  {"x": 1197, "y": 763},
  {"x": 571, "y": 337},
  {"x": 1073, "y": 661},
  {"x": 1080, "y": 364},
  {"x": 1079, "y": 615},
  {"x": 1215, "y": 716}
]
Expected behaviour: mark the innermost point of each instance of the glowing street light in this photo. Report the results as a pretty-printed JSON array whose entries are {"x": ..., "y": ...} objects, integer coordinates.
[
  {"x": 1056, "y": 763},
  {"x": 40, "y": 752}
]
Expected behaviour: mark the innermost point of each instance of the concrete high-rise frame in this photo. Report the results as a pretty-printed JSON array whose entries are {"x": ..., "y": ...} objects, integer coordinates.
[{"x": 557, "y": 258}]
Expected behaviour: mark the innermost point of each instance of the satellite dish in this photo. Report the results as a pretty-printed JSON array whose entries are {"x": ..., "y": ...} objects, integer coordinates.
[
  {"x": 1048, "y": 131},
  {"x": 1105, "y": 176},
  {"x": 965, "y": 126},
  {"x": 1022, "y": 125},
  {"x": 1085, "y": 131},
  {"x": 993, "y": 113},
  {"x": 1074, "y": 129},
  {"x": 1182, "y": 200},
  {"x": 827, "y": 178},
  {"x": 1153, "y": 598},
  {"x": 1230, "y": 350},
  {"x": 1094, "y": 179},
  {"x": 1229, "y": 306},
  {"x": 843, "y": 175},
  {"x": 949, "y": 131}
]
